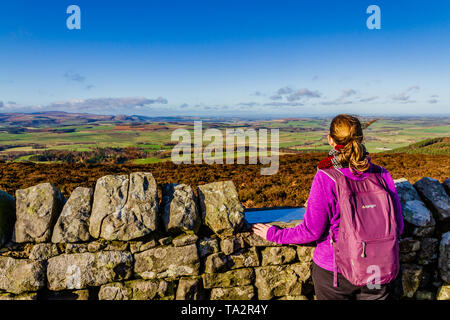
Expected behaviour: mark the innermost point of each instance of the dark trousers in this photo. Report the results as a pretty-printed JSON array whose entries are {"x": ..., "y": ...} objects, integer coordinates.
[{"x": 324, "y": 290}]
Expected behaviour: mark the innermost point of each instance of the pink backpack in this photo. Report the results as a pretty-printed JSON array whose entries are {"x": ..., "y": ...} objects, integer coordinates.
[{"x": 366, "y": 250}]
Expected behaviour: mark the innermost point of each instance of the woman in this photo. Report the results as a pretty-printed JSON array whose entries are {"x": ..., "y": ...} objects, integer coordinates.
[{"x": 322, "y": 217}]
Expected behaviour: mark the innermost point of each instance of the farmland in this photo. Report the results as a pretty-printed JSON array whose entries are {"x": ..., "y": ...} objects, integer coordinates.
[
  {"x": 53, "y": 138},
  {"x": 73, "y": 150}
]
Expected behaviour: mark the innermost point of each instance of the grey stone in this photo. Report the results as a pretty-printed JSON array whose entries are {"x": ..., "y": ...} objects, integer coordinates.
[
  {"x": 116, "y": 246},
  {"x": 424, "y": 295},
  {"x": 277, "y": 281},
  {"x": 408, "y": 257},
  {"x": 167, "y": 261},
  {"x": 220, "y": 262},
  {"x": 446, "y": 185},
  {"x": 303, "y": 270},
  {"x": 234, "y": 293},
  {"x": 278, "y": 255},
  {"x": 244, "y": 259},
  {"x": 185, "y": 240},
  {"x": 125, "y": 207},
  {"x": 179, "y": 209},
  {"x": 414, "y": 210},
  {"x": 37, "y": 209},
  {"x": 138, "y": 290},
  {"x": 233, "y": 244},
  {"x": 73, "y": 222},
  {"x": 83, "y": 270},
  {"x": 444, "y": 257},
  {"x": 411, "y": 278},
  {"x": 434, "y": 194},
  {"x": 189, "y": 289},
  {"x": 294, "y": 298},
  {"x": 139, "y": 246},
  {"x": 232, "y": 278},
  {"x": 7, "y": 217},
  {"x": 44, "y": 251},
  {"x": 305, "y": 253},
  {"x": 221, "y": 209},
  {"x": 207, "y": 246},
  {"x": 217, "y": 262},
  {"x": 429, "y": 248},
  {"x": 165, "y": 241},
  {"x": 28, "y": 296},
  {"x": 76, "y": 248},
  {"x": 443, "y": 293},
  {"x": 96, "y": 246},
  {"x": 409, "y": 244},
  {"x": 21, "y": 275},
  {"x": 252, "y": 240},
  {"x": 423, "y": 232}
]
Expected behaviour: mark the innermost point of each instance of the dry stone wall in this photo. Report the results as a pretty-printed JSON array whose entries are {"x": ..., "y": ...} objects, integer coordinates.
[{"x": 121, "y": 242}]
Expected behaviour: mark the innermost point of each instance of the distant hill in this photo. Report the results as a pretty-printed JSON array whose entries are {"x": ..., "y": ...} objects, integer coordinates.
[
  {"x": 433, "y": 146},
  {"x": 36, "y": 119},
  {"x": 60, "y": 118}
]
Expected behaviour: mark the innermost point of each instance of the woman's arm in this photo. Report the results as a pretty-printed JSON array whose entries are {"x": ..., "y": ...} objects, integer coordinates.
[{"x": 315, "y": 220}]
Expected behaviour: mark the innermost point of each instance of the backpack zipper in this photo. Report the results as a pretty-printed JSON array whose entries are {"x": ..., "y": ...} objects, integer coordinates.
[{"x": 363, "y": 254}]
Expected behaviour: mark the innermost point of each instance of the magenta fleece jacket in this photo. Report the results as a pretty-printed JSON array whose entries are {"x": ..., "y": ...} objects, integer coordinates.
[{"x": 322, "y": 213}]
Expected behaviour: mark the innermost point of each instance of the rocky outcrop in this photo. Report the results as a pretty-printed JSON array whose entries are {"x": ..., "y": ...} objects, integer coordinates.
[
  {"x": 37, "y": 209},
  {"x": 125, "y": 207}
]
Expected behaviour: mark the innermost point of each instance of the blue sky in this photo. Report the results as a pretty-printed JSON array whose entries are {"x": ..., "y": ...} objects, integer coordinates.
[{"x": 234, "y": 57}]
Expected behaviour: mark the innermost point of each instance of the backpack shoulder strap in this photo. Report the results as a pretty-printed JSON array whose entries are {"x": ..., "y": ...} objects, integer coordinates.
[
  {"x": 332, "y": 173},
  {"x": 378, "y": 171}
]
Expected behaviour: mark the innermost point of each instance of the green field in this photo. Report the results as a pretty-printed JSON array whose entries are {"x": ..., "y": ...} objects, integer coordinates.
[{"x": 307, "y": 134}]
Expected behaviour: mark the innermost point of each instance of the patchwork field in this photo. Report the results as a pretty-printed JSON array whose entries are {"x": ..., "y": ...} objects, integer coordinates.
[
  {"x": 73, "y": 150},
  {"x": 54, "y": 138}
]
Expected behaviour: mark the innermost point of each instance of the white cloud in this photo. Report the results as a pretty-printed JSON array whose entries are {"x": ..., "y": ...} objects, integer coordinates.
[
  {"x": 303, "y": 93},
  {"x": 106, "y": 103},
  {"x": 405, "y": 96},
  {"x": 78, "y": 78}
]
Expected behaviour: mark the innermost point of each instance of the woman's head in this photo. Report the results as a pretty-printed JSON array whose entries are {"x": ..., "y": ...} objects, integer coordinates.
[{"x": 346, "y": 130}]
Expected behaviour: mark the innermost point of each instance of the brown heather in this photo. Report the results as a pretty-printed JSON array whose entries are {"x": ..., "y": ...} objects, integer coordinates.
[{"x": 289, "y": 187}]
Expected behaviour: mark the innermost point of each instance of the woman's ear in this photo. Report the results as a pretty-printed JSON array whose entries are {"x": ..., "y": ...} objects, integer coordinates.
[{"x": 331, "y": 141}]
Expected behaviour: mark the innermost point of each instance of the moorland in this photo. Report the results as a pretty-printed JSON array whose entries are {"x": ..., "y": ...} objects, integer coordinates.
[{"x": 72, "y": 150}]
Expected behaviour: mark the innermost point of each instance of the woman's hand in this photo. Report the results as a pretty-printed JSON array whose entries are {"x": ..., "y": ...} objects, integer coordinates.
[{"x": 260, "y": 229}]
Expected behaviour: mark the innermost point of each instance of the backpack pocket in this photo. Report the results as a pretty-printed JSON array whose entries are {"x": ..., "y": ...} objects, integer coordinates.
[
  {"x": 377, "y": 260},
  {"x": 368, "y": 261}
]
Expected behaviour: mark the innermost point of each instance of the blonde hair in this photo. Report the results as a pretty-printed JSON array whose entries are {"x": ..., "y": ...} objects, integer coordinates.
[{"x": 346, "y": 130}]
